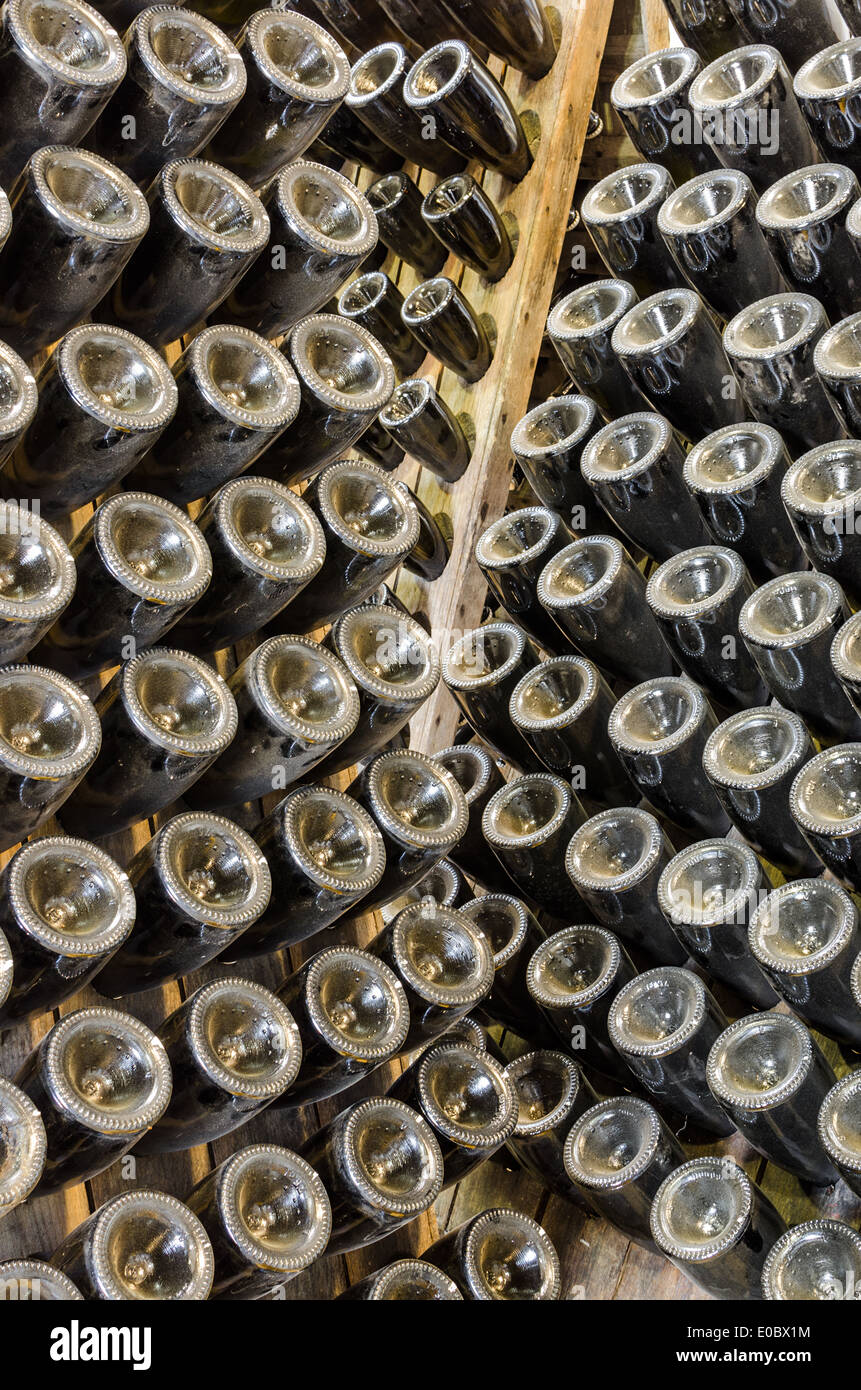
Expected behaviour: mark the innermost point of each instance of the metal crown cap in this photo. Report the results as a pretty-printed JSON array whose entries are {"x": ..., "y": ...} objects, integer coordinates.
[
  {"x": 384, "y": 1004},
  {"x": 377, "y": 73},
  {"x": 834, "y": 1251},
  {"x": 144, "y": 382},
  {"x": 632, "y": 190},
  {"x": 701, "y": 1183},
  {"x": 689, "y": 212},
  {"x": 761, "y": 1083},
  {"x": 829, "y": 73},
  {"x": 473, "y": 661},
  {"x": 500, "y": 547},
  {"x": 656, "y": 76},
  {"x": 694, "y": 582},
  {"x": 600, "y": 853},
  {"x": 736, "y": 78},
  {"x": 505, "y": 922},
  {"x": 324, "y": 82},
  {"x": 38, "y": 571},
  {"x": 341, "y": 824},
  {"x": 220, "y": 61},
  {"x": 723, "y": 461},
  {"x": 652, "y": 698},
  {"x": 107, "y": 1071},
  {"x": 423, "y": 88},
  {"x": 838, "y": 352},
  {"x": 70, "y": 896},
  {"x": 537, "y": 788},
  {"x": 7, "y": 969},
  {"x": 414, "y": 673},
  {"x": 507, "y": 1226},
  {"x": 575, "y": 414},
  {"x": 167, "y": 1232},
  {"x": 335, "y": 712},
  {"x": 621, "y": 1127},
  {"x": 626, "y": 448},
  {"x": 593, "y": 309},
  {"x": 780, "y": 322},
  {"x": 825, "y": 481},
  {"x": 274, "y": 1208},
  {"x": 415, "y": 1280},
  {"x": 231, "y": 884},
  {"x": 136, "y": 533},
  {"x": 395, "y": 1120},
  {"x": 441, "y": 818},
  {"x": 53, "y": 1286},
  {"x": 24, "y": 1148},
  {"x": 249, "y": 511},
  {"x": 537, "y": 1111},
  {"x": 219, "y": 211},
  {"x": 727, "y": 874},
  {"x": 421, "y": 937},
  {"x": 101, "y": 59},
  {"x": 662, "y": 1033},
  {"x": 824, "y": 798},
  {"x": 659, "y": 321},
  {"x": 802, "y": 926},
  {"x": 466, "y": 1095},
  {"x": 755, "y": 748},
  {"x": 110, "y": 191},
  {"x": 340, "y": 383},
  {"x": 260, "y": 1058},
  {"x": 571, "y": 579},
  {"x": 481, "y": 764},
  {"x": 845, "y": 655},
  {"x": 17, "y": 383},
  {"x": 349, "y": 493},
  {"x": 839, "y": 1124},
  {"x": 70, "y": 736},
  {"x": 179, "y": 702},
  {"x": 550, "y": 989},
  {"x": 807, "y": 196},
  {"x": 326, "y": 208}
]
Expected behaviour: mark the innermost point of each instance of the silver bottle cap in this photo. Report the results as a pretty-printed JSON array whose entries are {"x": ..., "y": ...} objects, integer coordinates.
[
  {"x": 555, "y": 694},
  {"x": 735, "y": 457},
  {"x": 214, "y": 208},
  {"x": 818, "y": 1259},
  {"x": 23, "y": 1147},
  {"x": 735, "y": 79},
  {"x": 802, "y": 926},
  {"x": 70, "y": 896},
  {"x": 825, "y": 798},
  {"x": 508, "y": 1257},
  {"x": 710, "y": 883},
  {"x": 805, "y": 197},
  {"x": 87, "y": 196},
  {"x": 612, "y": 1144},
  {"x": 304, "y": 690},
  {"x": 471, "y": 766},
  {"x": 546, "y": 1084},
  {"x": 581, "y": 574},
  {"x": 656, "y": 324},
  {"x": 178, "y": 702},
  {"x": 48, "y": 728},
  {"x": 37, "y": 571},
  {"x": 325, "y": 209},
  {"x": 335, "y": 841},
  {"x": 146, "y": 1245},
  {"x": 269, "y": 528},
  {"x": 366, "y": 511},
  {"x": 837, "y": 355},
  {"x": 702, "y": 1209},
  {"x": 556, "y": 425},
  {"x": 704, "y": 203},
  {"x": 846, "y": 652},
  {"x": 527, "y": 811},
  {"x": 755, "y": 748},
  {"x": 657, "y": 1013},
  {"x": 18, "y": 393},
  {"x": 573, "y": 967},
  {"x": 484, "y": 656},
  {"x": 246, "y": 380},
  {"x": 416, "y": 801},
  {"x": 654, "y": 78},
  {"x": 466, "y": 1095},
  {"x": 759, "y": 1062},
  {"x": 344, "y": 366},
  {"x": 839, "y": 1125},
  {"x": 357, "y": 1004},
  {"x": 443, "y": 956},
  {"x": 213, "y": 870},
  {"x": 614, "y": 850},
  {"x": 391, "y": 1156},
  {"x": 593, "y": 309},
  {"x": 152, "y": 548},
  {"x": 7, "y": 969},
  {"x": 379, "y": 71},
  {"x": 106, "y": 1071},
  {"x": 694, "y": 583},
  {"x": 775, "y": 326},
  {"x": 825, "y": 483},
  {"x": 36, "y": 1282},
  {"x": 244, "y": 1038},
  {"x": 408, "y": 400},
  {"x": 626, "y": 193},
  {"x": 505, "y": 922},
  {"x": 657, "y": 716},
  {"x": 413, "y": 1281},
  {"x": 388, "y": 654},
  {"x": 188, "y": 55},
  {"x": 274, "y": 1208},
  {"x": 298, "y": 57},
  {"x": 516, "y": 538},
  {"x": 831, "y": 74},
  {"x": 624, "y": 449},
  {"x": 69, "y": 40},
  {"x": 117, "y": 378}
]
